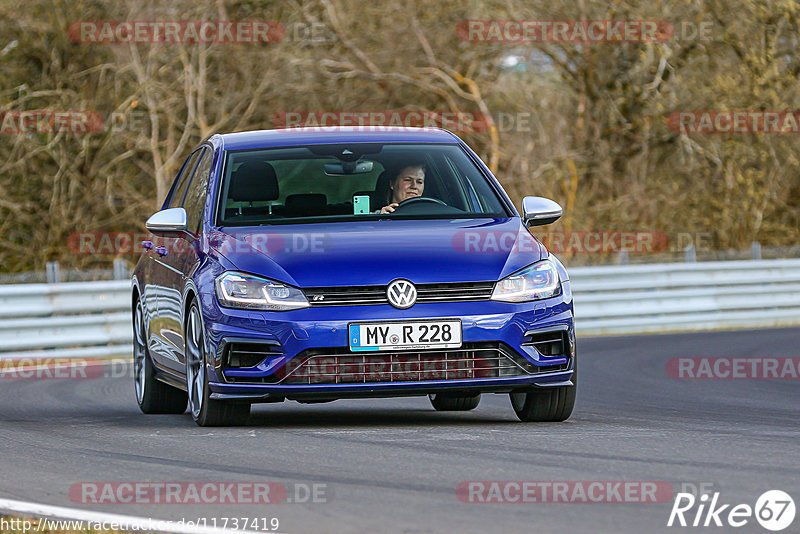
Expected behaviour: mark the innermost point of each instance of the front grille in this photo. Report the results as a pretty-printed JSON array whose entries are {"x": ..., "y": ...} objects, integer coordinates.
[
  {"x": 339, "y": 366},
  {"x": 371, "y": 295}
]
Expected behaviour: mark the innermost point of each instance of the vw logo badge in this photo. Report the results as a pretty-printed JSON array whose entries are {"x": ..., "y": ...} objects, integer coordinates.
[{"x": 401, "y": 294}]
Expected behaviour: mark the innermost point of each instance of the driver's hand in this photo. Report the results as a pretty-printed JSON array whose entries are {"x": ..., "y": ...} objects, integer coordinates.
[{"x": 390, "y": 208}]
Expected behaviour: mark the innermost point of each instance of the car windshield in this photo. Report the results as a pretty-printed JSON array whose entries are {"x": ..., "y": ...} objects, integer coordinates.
[{"x": 329, "y": 183}]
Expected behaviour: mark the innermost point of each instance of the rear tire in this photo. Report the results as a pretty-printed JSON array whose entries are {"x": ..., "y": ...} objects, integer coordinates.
[
  {"x": 205, "y": 411},
  {"x": 546, "y": 404},
  {"x": 446, "y": 403},
  {"x": 153, "y": 396}
]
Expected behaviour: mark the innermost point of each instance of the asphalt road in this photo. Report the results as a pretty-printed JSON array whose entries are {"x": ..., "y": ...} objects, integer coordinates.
[{"x": 393, "y": 465}]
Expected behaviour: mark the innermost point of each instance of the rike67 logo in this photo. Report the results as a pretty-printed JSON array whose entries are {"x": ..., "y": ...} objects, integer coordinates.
[{"x": 774, "y": 510}]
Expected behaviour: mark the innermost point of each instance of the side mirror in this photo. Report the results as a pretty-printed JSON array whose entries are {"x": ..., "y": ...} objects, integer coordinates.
[
  {"x": 537, "y": 211},
  {"x": 168, "y": 222}
]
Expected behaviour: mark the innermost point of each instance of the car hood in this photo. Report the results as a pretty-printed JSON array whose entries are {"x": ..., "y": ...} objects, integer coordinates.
[{"x": 377, "y": 252}]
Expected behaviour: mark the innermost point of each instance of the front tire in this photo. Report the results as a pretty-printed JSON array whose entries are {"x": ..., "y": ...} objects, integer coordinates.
[
  {"x": 205, "y": 411},
  {"x": 443, "y": 403},
  {"x": 546, "y": 404},
  {"x": 153, "y": 396}
]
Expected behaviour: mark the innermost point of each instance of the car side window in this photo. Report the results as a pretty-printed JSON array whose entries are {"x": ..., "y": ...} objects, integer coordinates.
[
  {"x": 196, "y": 194},
  {"x": 179, "y": 190}
]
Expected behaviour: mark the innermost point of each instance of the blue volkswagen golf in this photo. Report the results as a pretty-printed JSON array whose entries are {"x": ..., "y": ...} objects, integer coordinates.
[{"x": 329, "y": 263}]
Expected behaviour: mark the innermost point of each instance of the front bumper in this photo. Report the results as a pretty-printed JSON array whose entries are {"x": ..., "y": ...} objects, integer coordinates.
[{"x": 300, "y": 331}]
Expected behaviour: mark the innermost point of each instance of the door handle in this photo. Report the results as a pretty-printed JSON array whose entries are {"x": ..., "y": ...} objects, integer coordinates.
[
  {"x": 147, "y": 244},
  {"x": 161, "y": 250}
]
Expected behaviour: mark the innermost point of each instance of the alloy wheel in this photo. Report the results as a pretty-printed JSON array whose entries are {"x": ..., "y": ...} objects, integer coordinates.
[
  {"x": 139, "y": 352},
  {"x": 195, "y": 362}
]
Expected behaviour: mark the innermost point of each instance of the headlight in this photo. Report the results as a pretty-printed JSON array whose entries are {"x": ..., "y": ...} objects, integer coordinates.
[
  {"x": 538, "y": 281},
  {"x": 236, "y": 290}
]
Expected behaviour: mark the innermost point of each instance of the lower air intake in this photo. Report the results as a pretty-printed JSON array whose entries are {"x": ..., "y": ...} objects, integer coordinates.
[{"x": 473, "y": 361}]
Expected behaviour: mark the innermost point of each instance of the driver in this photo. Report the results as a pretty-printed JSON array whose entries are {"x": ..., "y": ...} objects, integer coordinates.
[{"x": 407, "y": 183}]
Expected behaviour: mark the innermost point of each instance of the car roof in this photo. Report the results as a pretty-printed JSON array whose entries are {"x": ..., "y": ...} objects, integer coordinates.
[{"x": 334, "y": 135}]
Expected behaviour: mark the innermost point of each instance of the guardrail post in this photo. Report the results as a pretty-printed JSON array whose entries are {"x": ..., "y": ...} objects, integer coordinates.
[
  {"x": 690, "y": 253},
  {"x": 120, "y": 269},
  {"x": 755, "y": 250},
  {"x": 53, "y": 272}
]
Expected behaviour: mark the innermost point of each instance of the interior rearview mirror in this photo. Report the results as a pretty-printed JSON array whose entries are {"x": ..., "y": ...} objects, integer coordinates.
[{"x": 348, "y": 167}]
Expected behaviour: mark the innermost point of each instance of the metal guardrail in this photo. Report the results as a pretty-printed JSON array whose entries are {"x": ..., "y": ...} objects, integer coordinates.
[
  {"x": 93, "y": 319},
  {"x": 635, "y": 299},
  {"x": 69, "y": 320}
]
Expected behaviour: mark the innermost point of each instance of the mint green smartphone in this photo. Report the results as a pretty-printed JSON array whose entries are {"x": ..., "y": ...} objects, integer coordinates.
[{"x": 360, "y": 204}]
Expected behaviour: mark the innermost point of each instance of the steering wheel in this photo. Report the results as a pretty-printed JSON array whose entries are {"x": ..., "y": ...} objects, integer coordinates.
[{"x": 416, "y": 200}]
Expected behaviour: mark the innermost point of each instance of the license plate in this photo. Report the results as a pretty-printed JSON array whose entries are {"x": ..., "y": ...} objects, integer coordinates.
[{"x": 406, "y": 335}]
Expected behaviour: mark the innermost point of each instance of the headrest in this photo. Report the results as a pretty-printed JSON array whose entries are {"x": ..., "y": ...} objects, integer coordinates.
[
  {"x": 382, "y": 188},
  {"x": 253, "y": 181}
]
